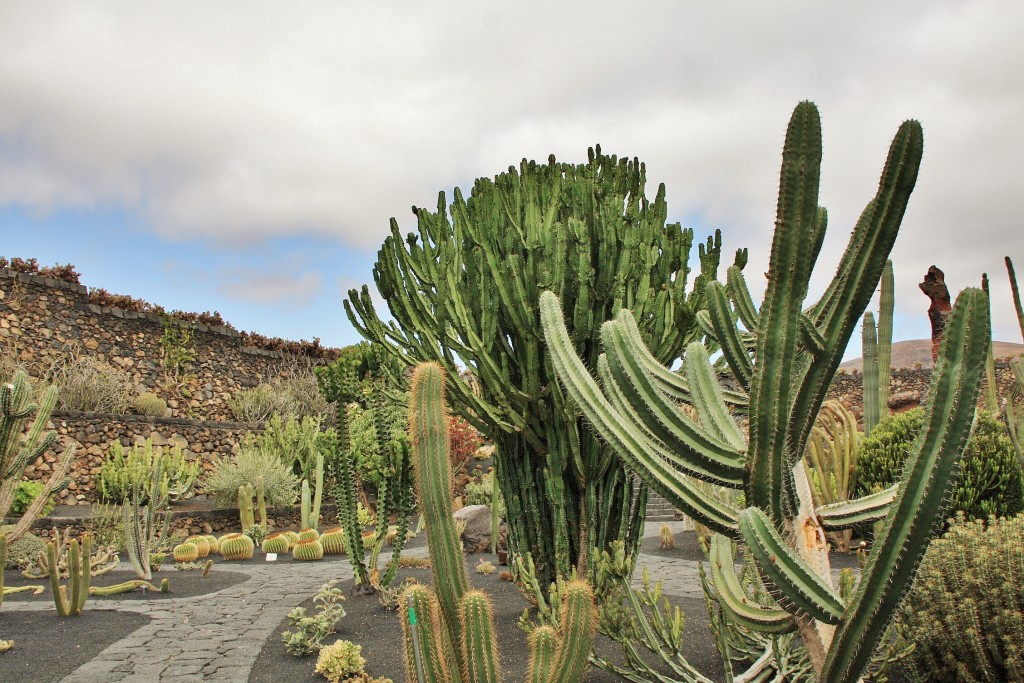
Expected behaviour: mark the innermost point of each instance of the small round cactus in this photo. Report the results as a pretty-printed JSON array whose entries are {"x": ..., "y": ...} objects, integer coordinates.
[
  {"x": 214, "y": 543},
  {"x": 308, "y": 534},
  {"x": 237, "y": 547},
  {"x": 276, "y": 543},
  {"x": 186, "y": 552},
  {"x": 201, "y": 543},
  {"x": 293, "y": 538},
  {"x": 368, "y": 539},
  {"x": 308, "y": 550},
  {"x": 333, "y": 541}
]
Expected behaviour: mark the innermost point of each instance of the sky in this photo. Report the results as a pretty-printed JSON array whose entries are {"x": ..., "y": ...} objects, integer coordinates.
[{"x": 246, "y": 157}]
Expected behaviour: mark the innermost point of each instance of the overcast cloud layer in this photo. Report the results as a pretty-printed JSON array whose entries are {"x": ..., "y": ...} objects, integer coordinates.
[{"x": 239, "y": 122}]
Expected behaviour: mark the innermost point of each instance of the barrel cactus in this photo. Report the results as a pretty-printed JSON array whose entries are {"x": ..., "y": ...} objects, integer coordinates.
[
  {"x": 214, "y": 543},
  {"x": 202, "y": 544},
  {"x": 333, "y": 541},
  {"x": 237, "y": 547},
  {"x": 309, "y": 549},
  {"x": 185, "y": 552},
  {"x": 276, "y": 543},
  {"x": 293, "y": 538},
  {"x": 308, "y": 535}
]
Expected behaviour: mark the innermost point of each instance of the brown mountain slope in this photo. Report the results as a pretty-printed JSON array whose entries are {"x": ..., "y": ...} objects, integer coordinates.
[{"x": 907, "y": 354}]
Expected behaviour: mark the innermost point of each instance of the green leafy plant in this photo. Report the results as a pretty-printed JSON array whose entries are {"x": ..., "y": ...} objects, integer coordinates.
[
  {"x": 177, "y": 351},
  {"x": 307, "y": 631},
  {"x": 990, "y": 480},
  {"x": 782, "y": 356},
  {"x": 245, "y": 467},
  {"x": 340, "y": 660},
  {"x": 965, "y": 614},
  {"x": 465, "y": 285},
  {"x": 26, "y": 494},
  {"x": 294, "y": 396}
]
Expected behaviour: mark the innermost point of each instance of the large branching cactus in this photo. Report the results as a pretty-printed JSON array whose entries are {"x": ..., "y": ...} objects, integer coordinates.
[
  {"x": 465, "y": 287},
  {"x": 17, "y": 407},
  {"x": 784, "y": 355},
  {"x": 454, "y": 624}
]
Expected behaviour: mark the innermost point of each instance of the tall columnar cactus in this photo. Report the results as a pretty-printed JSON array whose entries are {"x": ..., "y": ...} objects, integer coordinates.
[
  {"x": 464, "y": 288},
  {"x": 142, "y": 532},
  {"x": 310, "y": 505},
  {"x": 796, "y": 350},
  {"x": 367, "y": 375},
  {"x": 455, "y": 624},
  {"x": 246, "y": 515},
  {"x": 79, "y": 575},
  {"x": 16, "y": 408},
  {"x": 877, "y": 352},
  {"x": 1013, "y": 413}
]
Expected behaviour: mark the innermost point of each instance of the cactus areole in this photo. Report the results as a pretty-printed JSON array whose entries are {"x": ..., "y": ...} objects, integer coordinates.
[{"x": 464, "y": 288}]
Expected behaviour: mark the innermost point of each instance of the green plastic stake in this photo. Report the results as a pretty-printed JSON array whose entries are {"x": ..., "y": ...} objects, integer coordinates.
[{"x": 415, "y": 640}]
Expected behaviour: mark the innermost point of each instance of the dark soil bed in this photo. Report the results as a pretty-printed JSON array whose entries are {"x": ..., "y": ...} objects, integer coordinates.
[
  {"x": 48, "y": 647},
  {"x": 184, "y": 584},
  {"x": 379, "y": 632}
]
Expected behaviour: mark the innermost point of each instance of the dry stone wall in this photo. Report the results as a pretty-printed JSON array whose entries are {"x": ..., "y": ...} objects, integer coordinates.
[{"x": 42, "y": 321}]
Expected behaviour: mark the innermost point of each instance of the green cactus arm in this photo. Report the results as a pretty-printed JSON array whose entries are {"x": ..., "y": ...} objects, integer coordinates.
[
  {"x": 1016, "y": 294},
  {"x": 838, "y": 311},
  {"x": 810, "y": 337},
  {"x": 707, "y": 454},
  {"x": 305, "y": 502},
  {"x": 845, "y": 514},
  {"x": 899, "y": 547},
  {"x": 798, "y": 586},
  {"x": 428, "y": 428},
  {"x": 772, "y": 390},
  {"x": 886, "y": 305},
  {"x": 708, "y": 398},
  {"x": 80, "y": 582},
  {"x": 577, "y": 624},
  {"x": 543, "y": 642},
  {"x": 3, "y": 563},
  {"x": 671, "y": 384},
  {"x": 629, "y": 443},
  {"x": 479, "y": 640},
  {"x": 438, "y": 665},
  {"x": 734, "y": 598},
  {"x": 739, "y": 293},
  {"x": 724, "y": 325},
  {"x": 872, "y": 407}
]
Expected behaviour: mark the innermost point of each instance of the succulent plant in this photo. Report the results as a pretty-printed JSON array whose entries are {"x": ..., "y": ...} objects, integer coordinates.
[
  {"x": 308, "y": 535},
  {"x": 333, "y": 541},
  {"x": 185, "y": 552},
  {"x": 237, "y": 547},
  {"x": 276, "y": 543},
  {"x": 80, "y": 577},
  {"x": 309, "y": 549},
  {"x": 668, "y": 541},
  {"x": 202, "y": 544},
  {"x": 293, "y": 538}
]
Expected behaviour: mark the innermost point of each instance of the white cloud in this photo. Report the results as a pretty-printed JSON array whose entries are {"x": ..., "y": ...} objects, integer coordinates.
[
  {"x": 295, "y": 290},
  {"x": 237, "y": 122}
]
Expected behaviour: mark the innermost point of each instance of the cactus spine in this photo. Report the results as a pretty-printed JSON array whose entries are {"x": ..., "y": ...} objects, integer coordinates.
[
  {"x": 16, "y": 453},
  {"x": 796, "y": 351},
  {"x": 455, "y": 623},
  {"x": 79, "y": 575},
  {"x": 466, "y": 285}
]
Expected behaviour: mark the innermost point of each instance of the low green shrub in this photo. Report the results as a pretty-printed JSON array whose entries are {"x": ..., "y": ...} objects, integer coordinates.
[
  {"x": 24, "y": 551},
  {"x": 310, "y": 630},
  {"x": 150, "y": 404},
  {"x": 27, "y": 492},
  {"x": 295, "y": 395},
  {"x": 251, "y": 462},
  {"x": 990, "y": 480},
  {"x": 965, "y": 613},
  {"x": 125, "y": 466}
]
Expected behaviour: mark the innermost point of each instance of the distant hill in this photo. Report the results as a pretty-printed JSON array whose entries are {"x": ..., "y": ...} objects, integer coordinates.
[{"x": 907, "y": 354}]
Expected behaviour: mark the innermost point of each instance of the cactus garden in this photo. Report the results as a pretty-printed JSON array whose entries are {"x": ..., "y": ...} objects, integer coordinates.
[{"x": 558, "y": 360}]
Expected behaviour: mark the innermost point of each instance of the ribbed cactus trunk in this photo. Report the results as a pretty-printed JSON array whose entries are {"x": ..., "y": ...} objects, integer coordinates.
[{"x": 465, "y": 286}]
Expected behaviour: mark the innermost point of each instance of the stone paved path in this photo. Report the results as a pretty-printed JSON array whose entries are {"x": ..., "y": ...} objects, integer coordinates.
[{"x": 218, "y": 636}]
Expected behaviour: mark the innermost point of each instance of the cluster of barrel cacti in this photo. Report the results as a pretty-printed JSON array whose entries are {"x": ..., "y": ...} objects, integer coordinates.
[
  {"x": 464, "y": 288},
  {"x": 17, "y": 407},
  {"x": 783, "y": 357},
  {"x": 449, "y": 630}
]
